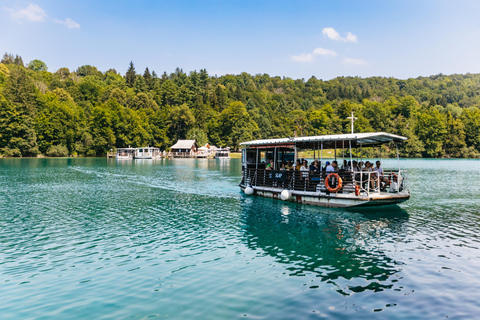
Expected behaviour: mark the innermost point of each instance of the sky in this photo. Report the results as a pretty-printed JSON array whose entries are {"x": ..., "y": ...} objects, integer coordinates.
[{"x": 296, "y": 39}]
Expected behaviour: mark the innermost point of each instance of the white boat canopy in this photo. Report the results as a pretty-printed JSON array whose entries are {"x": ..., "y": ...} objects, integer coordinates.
[{"x": 369, "y": 139}]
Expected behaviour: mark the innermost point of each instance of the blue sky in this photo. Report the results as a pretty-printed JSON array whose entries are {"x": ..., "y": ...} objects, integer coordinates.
[{"x": 295, "y": 39}]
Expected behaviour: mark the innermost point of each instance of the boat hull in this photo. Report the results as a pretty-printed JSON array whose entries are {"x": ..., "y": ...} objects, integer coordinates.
[
  {"x": 124, "y": 157},
  {"x": 334, "y": 200}
]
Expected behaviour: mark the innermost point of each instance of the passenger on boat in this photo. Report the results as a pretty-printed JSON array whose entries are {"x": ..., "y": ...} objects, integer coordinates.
[
  {"x": 369, "y": 168},
  {"x": 355, "y": 166},
  {"x": 382, "y": 178},
  {"x": 298, "y": 165},
  {"x": 344, "y": 165},
  {"x": 329, "y": 167},
  {"x": 361, "y": 166},
  {"x": 335, "y": 165},
  {"x": 289, "y": 165},
  {"x": 314, "y": 166},
  {"x": 282, "y": 167},
  {"x": 349, "y": 166},
  {"x": 270, "y": 165},
  {"x": 304, "y": 169}
]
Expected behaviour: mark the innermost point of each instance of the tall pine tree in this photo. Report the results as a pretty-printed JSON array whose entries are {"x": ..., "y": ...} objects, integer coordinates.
[{"x": 130, "y": 75}]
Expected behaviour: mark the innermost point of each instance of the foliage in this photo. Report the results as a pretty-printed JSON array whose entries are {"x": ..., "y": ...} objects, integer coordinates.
[
  {"x": 37, "y": 65},
  {"x": 89, "y": 112},
  {"x": 57, "y": 151}
]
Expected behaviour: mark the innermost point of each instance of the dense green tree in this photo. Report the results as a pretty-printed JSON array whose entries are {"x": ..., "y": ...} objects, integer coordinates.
[
  {"x": 88, "y": 70},
  {"x": 131, "y": 75},
  {"x": 181, "y": 120},
  {"x": 37, "y": 65},
  {"x": 237, "y": 125},
  {"x": 17, "y": 134},
  {"x": 199, "y": 135},
  {"x": 471, "y": 120},
  {"x": 431, "y": 129}
]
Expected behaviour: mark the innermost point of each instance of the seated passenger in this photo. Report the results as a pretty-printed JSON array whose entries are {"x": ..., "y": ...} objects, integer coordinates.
[
  {"x": 282, "y": 167},
  {"x": 355, "y": 166},
  {"x": 344, "y": 165},
  {"x": 298, "y": 165},
  {"x": 379, "y": 175},
  {"x": 335, "y": 165},
  {"x": 270, "y": 165},
  {"x": 304, "y": 169},
  {"x": 289, "y": 165},
  {"x": 329, "y": 167},
  {"x": 314, "y": 166}
]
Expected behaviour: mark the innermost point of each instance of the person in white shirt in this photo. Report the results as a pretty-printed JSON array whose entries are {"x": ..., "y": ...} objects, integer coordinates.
[
  {"x": 329, "y": 167},
  {"x": 304, "y": 169},
  {"x": 379, "y": 174}
]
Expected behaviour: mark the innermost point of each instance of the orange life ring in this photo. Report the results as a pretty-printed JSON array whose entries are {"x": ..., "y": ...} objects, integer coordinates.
[
  {"x": 327, "y": 184},
  {"x": 394, "y": 176},
  {"x": 357, "y": 190}
]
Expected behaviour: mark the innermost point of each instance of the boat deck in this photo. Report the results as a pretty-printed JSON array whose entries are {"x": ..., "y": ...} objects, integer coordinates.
[{"x": 309, "y": 188}]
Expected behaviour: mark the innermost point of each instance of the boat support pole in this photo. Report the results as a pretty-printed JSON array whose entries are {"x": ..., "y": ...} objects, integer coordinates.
[
  {"x": 256, "y": 161},
  {"x": 398, "y": 157},
  {"x": 351, "y": 160},
  {"x": 274, "y": 159},
  {"x": 295, "y": 155},
  {"x": 321, "y": 156}
]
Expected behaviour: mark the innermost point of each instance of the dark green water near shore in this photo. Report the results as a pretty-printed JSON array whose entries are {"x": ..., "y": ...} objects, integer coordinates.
[{"x": 105, "y": 239}]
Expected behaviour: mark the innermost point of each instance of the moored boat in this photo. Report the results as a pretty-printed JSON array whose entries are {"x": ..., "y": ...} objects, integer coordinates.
[
  {"x": 264, "y": 173},
  {"x": 222, "y": 153},
  {"x": 125, "y": 153},
  {"x": 147, "y": 153}
]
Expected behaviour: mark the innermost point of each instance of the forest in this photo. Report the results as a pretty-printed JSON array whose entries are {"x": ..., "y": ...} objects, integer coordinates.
[{"x": 89, "y": 112}]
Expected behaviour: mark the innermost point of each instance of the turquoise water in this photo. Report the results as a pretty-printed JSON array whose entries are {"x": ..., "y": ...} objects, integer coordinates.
[{"x": 100, "y": 239}]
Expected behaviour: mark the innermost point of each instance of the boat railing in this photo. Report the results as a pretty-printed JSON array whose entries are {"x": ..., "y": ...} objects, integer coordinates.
[
  {"x": 360, "y": 183},
  {"x": 391, "y": 181}
]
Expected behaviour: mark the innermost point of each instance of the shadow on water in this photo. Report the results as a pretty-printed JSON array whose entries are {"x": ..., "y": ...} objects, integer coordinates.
[{"x": 349, "y": 249}]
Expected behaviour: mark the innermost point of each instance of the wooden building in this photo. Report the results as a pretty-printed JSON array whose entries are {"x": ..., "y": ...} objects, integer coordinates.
[{"x": 184, "y": 149}]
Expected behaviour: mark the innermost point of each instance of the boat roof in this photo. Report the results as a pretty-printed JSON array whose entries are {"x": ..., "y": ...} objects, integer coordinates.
[
  {"x": 368, "y": 139},
  {"x": 126, "y": 149}
]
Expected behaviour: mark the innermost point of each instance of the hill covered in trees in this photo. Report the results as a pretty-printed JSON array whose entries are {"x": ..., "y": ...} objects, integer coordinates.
[{"x": 89, "y": 112}]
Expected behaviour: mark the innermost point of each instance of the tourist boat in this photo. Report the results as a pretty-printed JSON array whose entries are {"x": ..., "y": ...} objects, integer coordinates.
[
  {"x": 343, "y": 188},
  {"x": 125, "y": 153},
  {"x": 147, "y": 153},
  {"x": 222, "y": 153}
]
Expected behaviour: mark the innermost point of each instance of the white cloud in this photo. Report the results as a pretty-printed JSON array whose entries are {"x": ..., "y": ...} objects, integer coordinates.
[
  {"x": 355, "y": 62},
  {"x": 334, "y": 35},
  {"x": 32, "y": 13},
  {"x": 351, "y": 37},
  {"x": 324, "y": 52},
  {"x": 303, "y": 57},
  {"x": 69, "y": 23},
  {"x": 331, "y": 34},
  {"x": 310, "y": 57}
]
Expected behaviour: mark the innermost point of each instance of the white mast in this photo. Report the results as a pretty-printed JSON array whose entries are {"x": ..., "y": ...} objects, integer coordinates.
[{"x": 353, "y": 119}]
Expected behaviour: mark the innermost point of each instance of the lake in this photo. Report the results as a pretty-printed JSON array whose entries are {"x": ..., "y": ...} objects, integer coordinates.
[{"x": 91, "y": 238}]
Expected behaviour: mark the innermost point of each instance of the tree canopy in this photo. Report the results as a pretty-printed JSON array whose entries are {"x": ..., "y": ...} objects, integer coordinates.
[{"x": 89, "y": 112}]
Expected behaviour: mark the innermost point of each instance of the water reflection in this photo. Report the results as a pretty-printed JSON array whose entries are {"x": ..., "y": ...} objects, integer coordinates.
[{"x": 349, "y": 249}]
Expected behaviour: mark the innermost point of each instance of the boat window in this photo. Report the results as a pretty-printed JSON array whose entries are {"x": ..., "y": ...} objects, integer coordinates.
[
  {"x": 140, "y": 150},
  {"x": 262, "y": 156}
]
